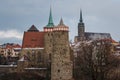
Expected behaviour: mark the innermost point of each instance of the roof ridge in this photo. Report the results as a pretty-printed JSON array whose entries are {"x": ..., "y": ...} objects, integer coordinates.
[{"x": 33, "y": 29}]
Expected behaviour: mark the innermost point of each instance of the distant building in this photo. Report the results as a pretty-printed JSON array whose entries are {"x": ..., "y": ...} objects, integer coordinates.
[
  {"x": 82, "y": 35},
  {"x": 117, "y": 50},
  {"x": 9, "y": 53},
  {"x": 10, "y": 49}
]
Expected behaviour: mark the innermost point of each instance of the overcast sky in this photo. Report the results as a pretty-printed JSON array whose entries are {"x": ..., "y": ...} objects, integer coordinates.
[{"x": 17, "y": 16}]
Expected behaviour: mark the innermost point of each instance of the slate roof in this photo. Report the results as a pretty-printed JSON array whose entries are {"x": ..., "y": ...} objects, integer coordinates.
[
  {"x": 95, "y": 36},
  {"x": 33, "y": 29}
]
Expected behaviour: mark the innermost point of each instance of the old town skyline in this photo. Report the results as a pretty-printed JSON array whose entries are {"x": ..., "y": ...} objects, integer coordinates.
[{"x": 18, "y": 16}]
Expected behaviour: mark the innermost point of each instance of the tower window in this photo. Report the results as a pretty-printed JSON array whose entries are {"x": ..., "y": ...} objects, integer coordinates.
[
  {"x": 48, "y": 34},
  {"x": 58, "y": 70},
  {"x": 60, "y": 77}
]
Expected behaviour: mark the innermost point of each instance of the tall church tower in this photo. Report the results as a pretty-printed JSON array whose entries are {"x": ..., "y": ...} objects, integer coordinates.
[
  {"x": 48, "y": 39},
  {"x": 81, "y": 28},
  {"x": 61, "y": 66}
]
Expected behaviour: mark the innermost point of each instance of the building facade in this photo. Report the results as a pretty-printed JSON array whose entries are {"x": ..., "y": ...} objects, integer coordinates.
[
  {"x": 10, "y": 49},
  {"x": 9, "y": 53}
]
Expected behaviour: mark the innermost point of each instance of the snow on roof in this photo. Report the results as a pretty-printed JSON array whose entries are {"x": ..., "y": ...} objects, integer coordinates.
[
  {"x": 22, "y": 59},
  {"x": 94, "y": 36},
  {"x": 79, "y": 43}
]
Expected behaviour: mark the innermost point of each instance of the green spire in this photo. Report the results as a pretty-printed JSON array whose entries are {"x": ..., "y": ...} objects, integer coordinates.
[{"x": 50, "y": 22}]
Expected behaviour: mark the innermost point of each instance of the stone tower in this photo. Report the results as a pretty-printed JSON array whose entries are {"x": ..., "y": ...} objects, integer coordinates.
[
  {"x": 48, "y": 39},
  {"x": 61, "y": 66},
  {"x": 81, "y": 28}
]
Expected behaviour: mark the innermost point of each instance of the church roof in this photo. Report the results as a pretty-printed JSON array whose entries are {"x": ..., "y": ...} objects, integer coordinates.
[
  {"x": 95, "y": 36},
  {"x": 33, "y": 40},
  {"x": 33, "y": 29}
]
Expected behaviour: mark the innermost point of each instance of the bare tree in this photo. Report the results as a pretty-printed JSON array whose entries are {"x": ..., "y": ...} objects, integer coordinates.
[{"x": 94, "y": 60}]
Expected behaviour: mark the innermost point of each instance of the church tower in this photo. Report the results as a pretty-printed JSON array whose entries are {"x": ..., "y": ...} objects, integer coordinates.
[
  {"x": 61, "y": 66},
  {"x": 48, "y": 39},
  {"x": 81, "y": 28}
]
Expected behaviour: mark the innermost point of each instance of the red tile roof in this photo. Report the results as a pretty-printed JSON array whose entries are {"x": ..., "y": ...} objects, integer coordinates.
[
  {"x": 12, "y": 46},
  {"x": 33, "y": 40}
]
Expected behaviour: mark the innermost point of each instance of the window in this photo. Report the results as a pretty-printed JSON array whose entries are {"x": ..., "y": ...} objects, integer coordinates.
[
  {"x": 58, "y": 70},
  {"x": 50, "y": 56}
]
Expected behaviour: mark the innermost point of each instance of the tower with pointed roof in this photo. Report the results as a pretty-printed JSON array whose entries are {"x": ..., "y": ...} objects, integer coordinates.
[
  {"x": 48, "y": 38},
  {"x": 50, "y": 25},
  {"x": 82, "y": 35},
  {"x": 61, "y": 66},
  {"x": 50, "y": 22},
  {"x": 81, "y": 28}
]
